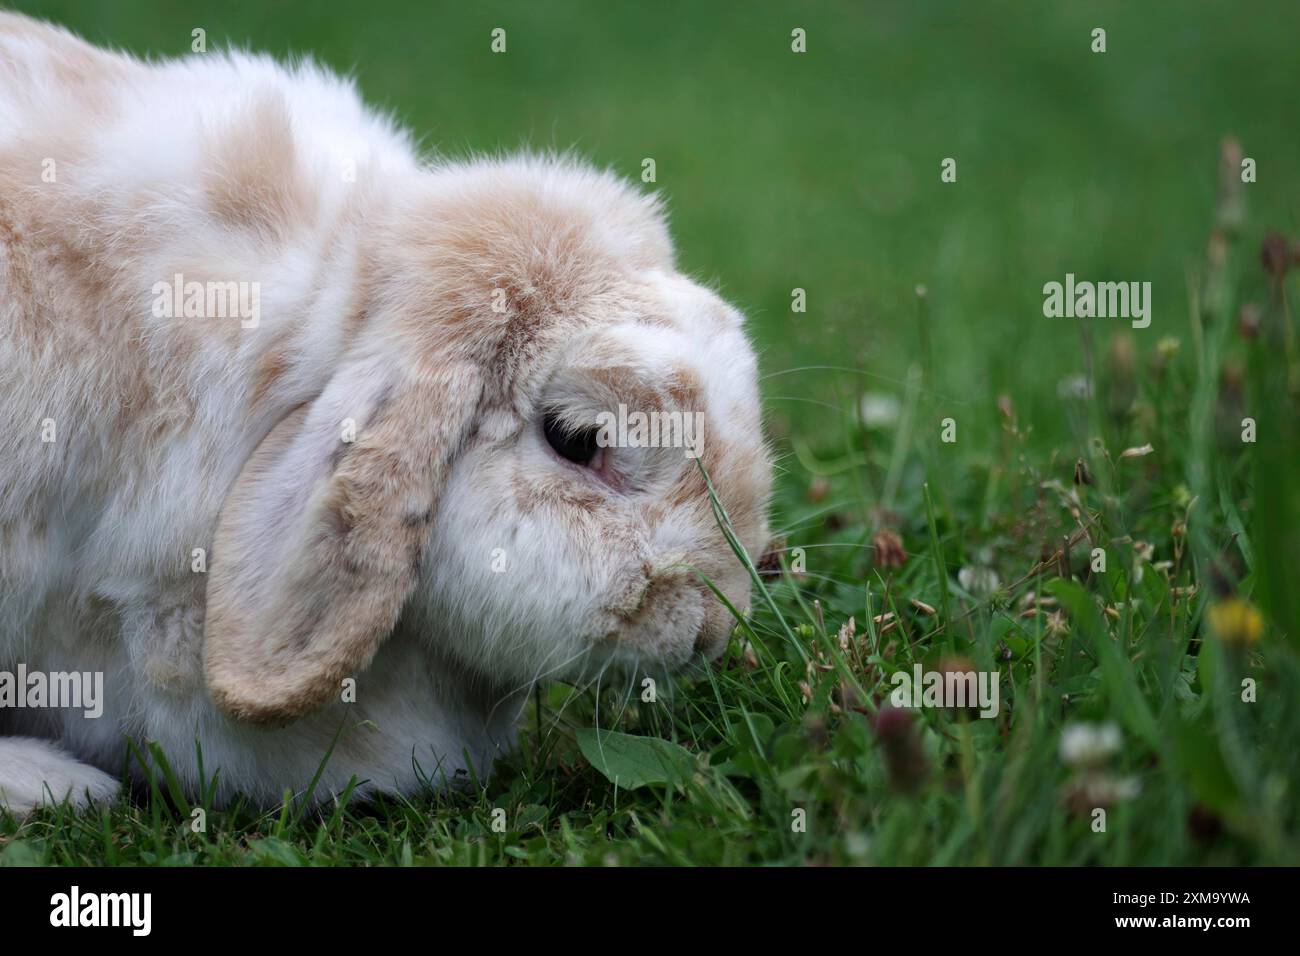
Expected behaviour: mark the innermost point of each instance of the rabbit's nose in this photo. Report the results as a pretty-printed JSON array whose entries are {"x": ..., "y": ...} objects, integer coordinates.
[{"x": 645, "y": 578}]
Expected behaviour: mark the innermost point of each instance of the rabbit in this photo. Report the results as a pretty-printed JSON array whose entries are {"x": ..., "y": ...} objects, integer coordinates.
[{"x": 307, "y": 446}]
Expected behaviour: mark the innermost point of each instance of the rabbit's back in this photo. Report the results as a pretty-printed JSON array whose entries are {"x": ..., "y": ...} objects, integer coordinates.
[{"x": 124, "y": 187}]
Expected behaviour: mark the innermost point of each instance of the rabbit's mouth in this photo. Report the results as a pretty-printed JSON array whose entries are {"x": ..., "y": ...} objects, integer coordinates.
[{"x": 667, "y": 619}]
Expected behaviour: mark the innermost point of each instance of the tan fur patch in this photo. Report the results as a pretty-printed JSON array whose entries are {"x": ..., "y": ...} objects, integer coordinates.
[
  {"x": 270, "y": 368},
  {"x": 251, "y": 174}
]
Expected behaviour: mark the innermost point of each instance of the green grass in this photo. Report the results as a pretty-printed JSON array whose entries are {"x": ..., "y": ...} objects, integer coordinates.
[{"x": 822, "y": 172}]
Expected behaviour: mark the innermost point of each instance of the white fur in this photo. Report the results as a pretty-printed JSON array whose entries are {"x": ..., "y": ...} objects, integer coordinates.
[{"x": 34, "y": 772}]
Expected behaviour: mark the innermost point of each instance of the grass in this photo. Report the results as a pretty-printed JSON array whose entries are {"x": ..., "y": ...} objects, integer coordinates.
[{"x": 821, "y": 173}]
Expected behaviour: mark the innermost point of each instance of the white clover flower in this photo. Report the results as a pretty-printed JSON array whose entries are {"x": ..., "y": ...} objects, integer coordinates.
[
  {"x": 879, "y": 409},
  {"x": 1088, "y": 745},
  {"x": 979, "y": 581},
  {"x": 1091, "y": 789},
  {"x": 1074, "y": 387},
  {"x": 1125, "y": 788}
]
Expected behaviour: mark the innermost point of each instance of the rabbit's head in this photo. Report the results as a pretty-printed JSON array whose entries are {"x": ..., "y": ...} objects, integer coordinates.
[{"x": 541, "y": 406}]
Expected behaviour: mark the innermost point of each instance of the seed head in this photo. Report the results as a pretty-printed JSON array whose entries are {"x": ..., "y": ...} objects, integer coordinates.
[
  {"x": 889, "y": 549},
  {"x": 1275, "y": 255}
]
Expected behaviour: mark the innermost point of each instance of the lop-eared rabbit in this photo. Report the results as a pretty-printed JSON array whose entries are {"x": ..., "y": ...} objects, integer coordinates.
[{"x": 300, "y": 431}]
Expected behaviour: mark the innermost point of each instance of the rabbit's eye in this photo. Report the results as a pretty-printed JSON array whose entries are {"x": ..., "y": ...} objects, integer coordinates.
[{"x": 578, "y": 446}]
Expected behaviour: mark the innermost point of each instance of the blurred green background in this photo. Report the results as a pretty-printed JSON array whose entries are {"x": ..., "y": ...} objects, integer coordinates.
[{"x": 822, "y": 170}]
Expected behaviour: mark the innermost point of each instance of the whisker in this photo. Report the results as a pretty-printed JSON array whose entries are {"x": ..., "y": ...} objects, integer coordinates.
[{"x": 858, "y": 371}]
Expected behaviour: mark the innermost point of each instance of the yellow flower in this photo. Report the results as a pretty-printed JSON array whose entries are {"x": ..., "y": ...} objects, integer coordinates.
[{"x": 1236, "y": 622}]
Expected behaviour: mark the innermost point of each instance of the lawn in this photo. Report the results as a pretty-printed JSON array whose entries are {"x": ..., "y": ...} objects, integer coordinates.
[{"x": 1075, "y": 504}]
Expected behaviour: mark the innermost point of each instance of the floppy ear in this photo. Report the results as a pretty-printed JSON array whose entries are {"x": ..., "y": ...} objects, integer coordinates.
[{"x": 319, "y": 541}]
